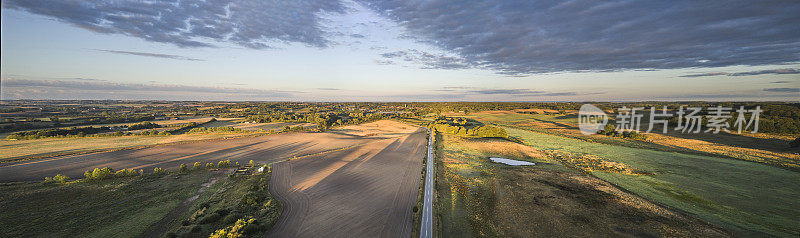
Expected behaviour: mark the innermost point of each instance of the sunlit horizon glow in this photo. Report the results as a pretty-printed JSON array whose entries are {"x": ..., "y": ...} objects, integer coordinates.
[{"x": 386, "y": 51}]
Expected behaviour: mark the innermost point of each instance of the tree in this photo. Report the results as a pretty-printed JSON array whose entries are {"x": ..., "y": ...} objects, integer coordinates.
[
  {"x": 197, "y": 166},
  {"x": 184, "y": 168}
]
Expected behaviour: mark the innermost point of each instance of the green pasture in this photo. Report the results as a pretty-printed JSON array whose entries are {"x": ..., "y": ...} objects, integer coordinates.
[{"x": 748, "y": 198}]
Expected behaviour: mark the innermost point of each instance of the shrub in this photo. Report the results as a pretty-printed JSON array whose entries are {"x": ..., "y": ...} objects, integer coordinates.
[
  {"x": 183, "y": 168},
  {"x": 100, "y": 174},
  {"x": 795, "y": 143},
  {"x": 210, "y": 218},
  {"x": 197, "y": 166},
  {"x": 251, "y": 163},
  {"x": 197, "y": 214},
  {"x": 126, "y": 173},
  {"x": 224, "y": 164},
  {"x": 239, "y": 229},
  {"x": 634, "y": 135},
  {"x": 216, "y": 129},
  {"x": 210, "y": 166},
  {"x": 159, "y": 171},
  {"x": 143, "y": 125},
  {"x": 61, "y": 179},
  {"x": 230, "y": 218}
]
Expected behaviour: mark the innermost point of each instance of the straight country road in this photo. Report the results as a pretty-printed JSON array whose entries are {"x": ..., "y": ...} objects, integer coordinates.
[{"x": 426, "y": 230}]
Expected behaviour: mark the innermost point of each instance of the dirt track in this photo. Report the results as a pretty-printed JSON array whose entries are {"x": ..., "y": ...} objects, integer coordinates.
[
  {"x": 261, "y": 149},
  {"x": 365, "y": 191}
]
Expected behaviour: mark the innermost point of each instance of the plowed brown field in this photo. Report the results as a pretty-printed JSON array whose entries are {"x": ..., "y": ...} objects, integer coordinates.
[
  {"x": 364, "y": 191},
  {"x": 262, "y": 149}
]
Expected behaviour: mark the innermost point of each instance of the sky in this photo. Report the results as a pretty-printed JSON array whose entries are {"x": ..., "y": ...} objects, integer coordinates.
[{"x": 421, "y": 50}]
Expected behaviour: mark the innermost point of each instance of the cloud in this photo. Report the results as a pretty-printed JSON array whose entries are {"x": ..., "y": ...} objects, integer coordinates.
[
  {"x": 383, "y": 62},
  {"x": 507, "y": 91},
  {"x": 522, "y": 37},
  {"x": 771, "y": 71},
  {"x": 458, "y": 87},
  {"x": 780, "y": 82},
  {"x": 748, "y": 73},
  {"x": 165, "y": 56},
  {"x": 84, "y": 79},
  {"x": 526, "y": 92},
  {"x": 782, "y": 90},
  {"x": 512, "y": 37},
  {"x": 704, "y": 75},
  {"x": 427, "y": 60},
  {"x": 107, "y": 87},
  {"x": 249, "y": 23}
]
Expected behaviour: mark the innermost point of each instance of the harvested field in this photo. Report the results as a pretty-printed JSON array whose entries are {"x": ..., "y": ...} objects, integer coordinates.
[
  {"x": 277, "y": 126},
  {"x": 365, "y": 191},
  {"x": 262, "y": 149},
  {"x": 378, "y": 128}
]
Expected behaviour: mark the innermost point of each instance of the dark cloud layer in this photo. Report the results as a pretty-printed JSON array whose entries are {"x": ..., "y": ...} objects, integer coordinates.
[
  {"x": 522, "y": 36},
  {"x": 166, "y": 56},
  {"x": 428, "y": 60},
  {"x": 249, "y": 23},
  {"x": 783, "y": 90},
  {"x": 512, "y": 37},
  {"x": 748, "y": 73}
]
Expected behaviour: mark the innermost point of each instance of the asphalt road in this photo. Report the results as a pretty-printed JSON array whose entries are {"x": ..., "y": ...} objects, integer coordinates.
[{"x": 426, "y": 229}]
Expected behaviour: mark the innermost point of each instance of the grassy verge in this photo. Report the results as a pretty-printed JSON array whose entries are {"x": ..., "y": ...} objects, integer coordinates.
[
  {"x": 243, "y": 199},
  {"x": 189, "y": 204}
]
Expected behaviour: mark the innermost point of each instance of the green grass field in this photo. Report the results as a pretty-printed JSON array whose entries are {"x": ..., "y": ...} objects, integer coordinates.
[
  {"x": 123, "y": 207},
  {"x": 746, "y": 197},
  {"x": 189, "y": 205},
  {"x": 480, "y": 198}
]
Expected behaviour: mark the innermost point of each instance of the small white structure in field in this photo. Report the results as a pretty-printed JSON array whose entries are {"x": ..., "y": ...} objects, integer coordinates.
[
  {"x": 261, "y": 169},
  {"x": 511, "y": 161}
]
